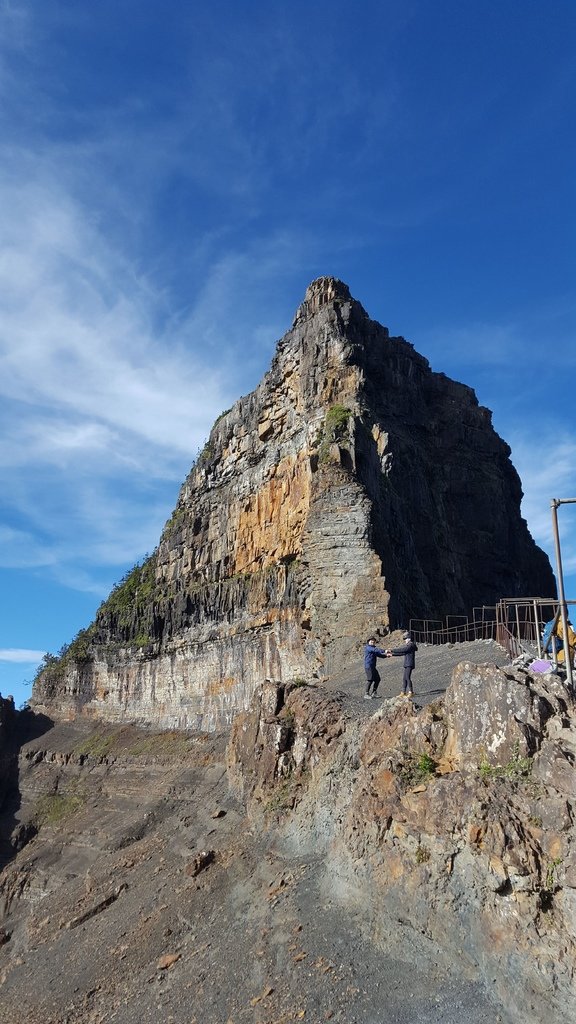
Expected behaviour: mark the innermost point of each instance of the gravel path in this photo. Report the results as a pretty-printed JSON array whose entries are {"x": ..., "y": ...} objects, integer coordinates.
[{"x": 434, "y": 666}]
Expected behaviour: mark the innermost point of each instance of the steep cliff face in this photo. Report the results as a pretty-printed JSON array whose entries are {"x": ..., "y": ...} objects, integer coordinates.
[
  {"x": 8, "y": 749},
  {"x": 454, "y": 823},
  {"x": 353, "y": 488}
]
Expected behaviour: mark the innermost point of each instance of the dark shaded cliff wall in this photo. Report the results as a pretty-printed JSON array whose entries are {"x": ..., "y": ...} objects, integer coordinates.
[
  {"x": 446, "y": 498},
  {"x": 8, "y": 747}
]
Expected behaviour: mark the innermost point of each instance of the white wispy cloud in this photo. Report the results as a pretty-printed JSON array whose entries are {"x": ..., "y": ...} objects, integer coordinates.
[
  {"x": 547, "y": 468},
  {"x": 104, "y": 406},
  {"x": 21, "y": 549},
  {"x": 76, "y": 333},
  {"x": 21, "y": 655},
  {"x": 95, "y": 405}
]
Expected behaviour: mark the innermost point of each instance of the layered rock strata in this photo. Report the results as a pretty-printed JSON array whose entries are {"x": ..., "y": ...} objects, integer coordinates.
[
  {"x": 451, "y": 829},
  {"x": 352, "y": 490},
  {"x": 143, "y": 894}
]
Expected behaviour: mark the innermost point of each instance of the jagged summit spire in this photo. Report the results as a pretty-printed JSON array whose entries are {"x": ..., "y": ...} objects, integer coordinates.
[{"x": 324, "y": 291}]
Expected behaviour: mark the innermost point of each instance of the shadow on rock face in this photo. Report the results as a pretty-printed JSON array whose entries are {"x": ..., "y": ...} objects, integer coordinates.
[
  {"x": 29, "y": 725},
  {"x": 16, "y": 728}
]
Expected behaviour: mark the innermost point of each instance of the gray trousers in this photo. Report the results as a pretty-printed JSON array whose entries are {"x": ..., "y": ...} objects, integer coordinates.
[{"x": 372, "y": 679}]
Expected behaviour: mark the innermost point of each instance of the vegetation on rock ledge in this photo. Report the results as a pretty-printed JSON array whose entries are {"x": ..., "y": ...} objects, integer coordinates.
[
  {"x": 54, "y": 808},
  {"x": 334, "y": 431},
  {"x": 53, "y": 666},
  {"x": 132, "y": 594},
  {"x": 127, "y": 604},
  {"x": 516, "y": 768}
]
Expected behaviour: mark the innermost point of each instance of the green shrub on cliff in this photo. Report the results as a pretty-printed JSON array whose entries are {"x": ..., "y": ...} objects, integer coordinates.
[
  {"x": 80, "y": 647},
  {"x": 516, "y": 768},
  {"x": 132, "y": 594},
  {"x": 416, "y": 769},
  {"x": 126, "y": 604},
  {"x": 53, "y": 666},
  {"x": 177, "y": 519},
  {"x": 334, "y": 431},
  {"x": 136, "y": 585},
  {"x": 336, "y": 422}
]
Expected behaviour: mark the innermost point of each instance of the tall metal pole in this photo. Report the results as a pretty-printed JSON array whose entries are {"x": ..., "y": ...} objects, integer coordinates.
[
  {"x": 561, "y": 596},
  {"x": 537, "y": 627}
]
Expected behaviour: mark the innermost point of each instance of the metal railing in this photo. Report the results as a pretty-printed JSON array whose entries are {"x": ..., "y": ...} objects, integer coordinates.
[
  {"x": 436, "y": 631},
  {"x": 515, "y": 623},
  {"x": 514, "y": 647}
]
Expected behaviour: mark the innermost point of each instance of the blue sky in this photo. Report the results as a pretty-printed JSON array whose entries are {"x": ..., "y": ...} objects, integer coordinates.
[{"x": 172, "y": 176}]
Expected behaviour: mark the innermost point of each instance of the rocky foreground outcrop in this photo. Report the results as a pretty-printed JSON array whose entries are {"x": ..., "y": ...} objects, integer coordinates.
[
  {"x": 454, "y": 825},
  {"x": 352, "y": 490},
  {"x": 324, "y": 862}
]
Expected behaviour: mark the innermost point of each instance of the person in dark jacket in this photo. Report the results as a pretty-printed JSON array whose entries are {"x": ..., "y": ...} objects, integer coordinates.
[
  {"x": 408, "y": 651},
  {"x": 371, "y": 653}
]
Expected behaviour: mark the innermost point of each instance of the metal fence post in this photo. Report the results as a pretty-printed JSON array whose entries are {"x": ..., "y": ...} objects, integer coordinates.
[{"x": 555, "y": 502}]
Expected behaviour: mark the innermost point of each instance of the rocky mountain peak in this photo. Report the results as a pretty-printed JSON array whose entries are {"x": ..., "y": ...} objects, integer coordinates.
[
  {"x": 326, "y": 289},
  {"x": 325, "y": 292},
  {"x": 352, "y": 490}
]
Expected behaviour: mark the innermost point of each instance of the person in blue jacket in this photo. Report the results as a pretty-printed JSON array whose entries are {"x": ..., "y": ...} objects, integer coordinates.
[
  {"x": 408, "y": 650},
  {"x": 371, "y": 653}
]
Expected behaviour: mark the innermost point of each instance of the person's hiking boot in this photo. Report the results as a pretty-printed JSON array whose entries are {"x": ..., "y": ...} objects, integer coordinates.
[
  {"x": 410, "y": 694},
  {"x": 367, "y": 696}
]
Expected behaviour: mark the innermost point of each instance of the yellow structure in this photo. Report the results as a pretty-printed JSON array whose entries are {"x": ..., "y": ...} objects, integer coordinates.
[{"x": 571, "y": 642}]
